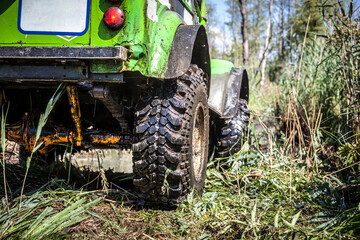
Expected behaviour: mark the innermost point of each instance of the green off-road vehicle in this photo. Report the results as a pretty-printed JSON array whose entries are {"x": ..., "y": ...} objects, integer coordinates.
[{"x": 137, "y": 75}]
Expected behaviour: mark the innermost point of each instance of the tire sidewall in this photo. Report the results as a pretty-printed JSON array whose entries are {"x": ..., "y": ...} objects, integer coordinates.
[{"x": 200, "y": 98}]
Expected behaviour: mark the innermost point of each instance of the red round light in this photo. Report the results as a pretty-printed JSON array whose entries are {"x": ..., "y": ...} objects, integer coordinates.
[{"x": 114, "y": 18}]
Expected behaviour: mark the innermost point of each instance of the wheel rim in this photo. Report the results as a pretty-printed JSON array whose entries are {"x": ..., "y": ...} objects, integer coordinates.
[{"x": 198, "y": 142}]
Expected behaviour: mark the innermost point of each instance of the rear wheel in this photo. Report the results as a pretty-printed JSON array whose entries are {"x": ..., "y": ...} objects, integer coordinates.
[
  {"x": 171, "y": 134},
  {"x": 233, "y": 132}
]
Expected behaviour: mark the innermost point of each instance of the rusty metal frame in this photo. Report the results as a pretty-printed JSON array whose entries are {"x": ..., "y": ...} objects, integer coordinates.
[
  {"x": 73, "y": 97},
  {"x": 23, "y": 134},
  {"x": 26, "y": 136},
  {"x": 103, "y": 93}
]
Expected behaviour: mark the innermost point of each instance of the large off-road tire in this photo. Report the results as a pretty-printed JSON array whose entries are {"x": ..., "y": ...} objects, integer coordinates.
[
  {"x": 232, "y": 132},
  {"x": 171, "y": 133}
]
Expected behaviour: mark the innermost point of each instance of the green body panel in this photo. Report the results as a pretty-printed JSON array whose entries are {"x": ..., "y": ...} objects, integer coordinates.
[
  {"x": 149, "y": 42},
  {"x": 201, "y": 12},
  {"x": 219, "y": 67},
  {"x": 220, "y": 73}
]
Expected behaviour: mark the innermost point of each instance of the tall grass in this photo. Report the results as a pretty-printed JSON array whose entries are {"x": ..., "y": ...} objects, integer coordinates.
[
  {"x": 311, "y": 104},
  {"x": 321, "y": 121},
  {"x": 42, "y": 121},
  {"x": 326, "y": 102},
  {"x": 40, "y": 218},
  {"x": 3, "y": 149},
  {"x": 344, "y": 40}
]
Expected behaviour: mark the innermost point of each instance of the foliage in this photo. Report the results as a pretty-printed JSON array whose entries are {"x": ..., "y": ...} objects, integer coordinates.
[
  {"x": 343, "y": 39},
  {"x": 304, "y": 9},
  {"x": 324, "y": 88},
  {"x": 42, "y": 121},
  {"x": 3, "y": 148},
  {"x": 318, "y": 88}
]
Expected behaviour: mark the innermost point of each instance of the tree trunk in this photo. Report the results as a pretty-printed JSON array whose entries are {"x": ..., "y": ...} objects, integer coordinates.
[
  {"x": 233, "y": 29},
  {"x": 281, "y": 39},
  {"x": 266, "y": 49},
  {"x": 244, "y": 32},
  {"x": 257, "y": 45}
]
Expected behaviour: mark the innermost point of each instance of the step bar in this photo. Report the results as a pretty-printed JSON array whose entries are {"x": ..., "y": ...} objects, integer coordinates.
[{"x": 95, "y": 53}]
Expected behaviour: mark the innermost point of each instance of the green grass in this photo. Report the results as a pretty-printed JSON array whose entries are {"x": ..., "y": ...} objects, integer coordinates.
[
  {"x": 260, "y": 195},
  {"x": 38, "y": 218},
  {"x": 42, "y": 121}
]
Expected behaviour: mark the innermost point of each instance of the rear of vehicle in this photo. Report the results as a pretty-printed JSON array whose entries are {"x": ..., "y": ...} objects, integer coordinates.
[
  {"x": 45, "y": 43},
  {"x": 133, "y": 75},
  {"x": 124, "y": 66},
  {"x": 98, "y": 47}
]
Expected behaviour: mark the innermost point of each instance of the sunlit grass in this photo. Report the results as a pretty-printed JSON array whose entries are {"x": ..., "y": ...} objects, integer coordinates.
[
  {"x": 42, "y": 121},
  {"x": 261, "y": 101}
]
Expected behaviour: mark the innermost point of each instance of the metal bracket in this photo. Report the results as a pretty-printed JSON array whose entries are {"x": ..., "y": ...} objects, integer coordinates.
[
  {"x": 102, "y": 93},
  {"x": 75, "y": 112}
]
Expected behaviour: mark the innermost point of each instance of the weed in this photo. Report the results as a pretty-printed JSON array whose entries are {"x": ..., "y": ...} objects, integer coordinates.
[
  {"x": 3, "y": 148},
  {"x": 41, "y": 124}
]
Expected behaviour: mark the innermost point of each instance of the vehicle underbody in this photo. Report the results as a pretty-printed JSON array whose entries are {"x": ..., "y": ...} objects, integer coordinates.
[{"x": 96, "y": 113}]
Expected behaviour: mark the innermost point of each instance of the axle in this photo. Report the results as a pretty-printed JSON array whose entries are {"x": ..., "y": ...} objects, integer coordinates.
[{"x": 26, "y": 136}]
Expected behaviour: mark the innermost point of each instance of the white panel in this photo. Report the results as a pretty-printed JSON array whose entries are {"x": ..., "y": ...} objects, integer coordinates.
[
  {"x": 67, "y": 16},
  {"x": 188, "y": 17},
  {"x": 218, "y": 91},
  {"x": 166, "y": 3},
  {"x": 151, "y": 10}
]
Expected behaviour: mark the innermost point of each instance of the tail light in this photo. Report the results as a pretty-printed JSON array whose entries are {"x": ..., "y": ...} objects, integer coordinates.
[{"x": 114, "y": 18}]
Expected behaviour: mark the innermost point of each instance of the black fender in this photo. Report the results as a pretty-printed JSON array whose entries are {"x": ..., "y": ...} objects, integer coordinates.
[
  {"x": 190, "y": 46},
  {"x": 238, "y": 88},
  {"x": 226, "y": 90}
]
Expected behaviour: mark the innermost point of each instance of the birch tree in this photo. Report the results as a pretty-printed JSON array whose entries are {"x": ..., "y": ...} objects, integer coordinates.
[
  {"x": 281, "y": 38},
  {"x": 266, "y": 48},
  {"x": 244, "y": 32}
]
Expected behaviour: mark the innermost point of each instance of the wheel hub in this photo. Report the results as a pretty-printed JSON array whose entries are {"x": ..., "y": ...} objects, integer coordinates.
[{"x": 198, "y": 141}]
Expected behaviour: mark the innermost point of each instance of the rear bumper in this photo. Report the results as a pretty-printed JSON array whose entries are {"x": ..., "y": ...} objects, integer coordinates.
[
  {"x": 54, "y": 73},
  {"x": 92, "y": 53},
  {"x": 60, "y": 63}
]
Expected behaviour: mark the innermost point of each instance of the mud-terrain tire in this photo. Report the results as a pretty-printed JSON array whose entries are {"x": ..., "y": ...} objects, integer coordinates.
[
  {"x": 171, "y": 133},
  {"x": 232, "y": 132}
]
